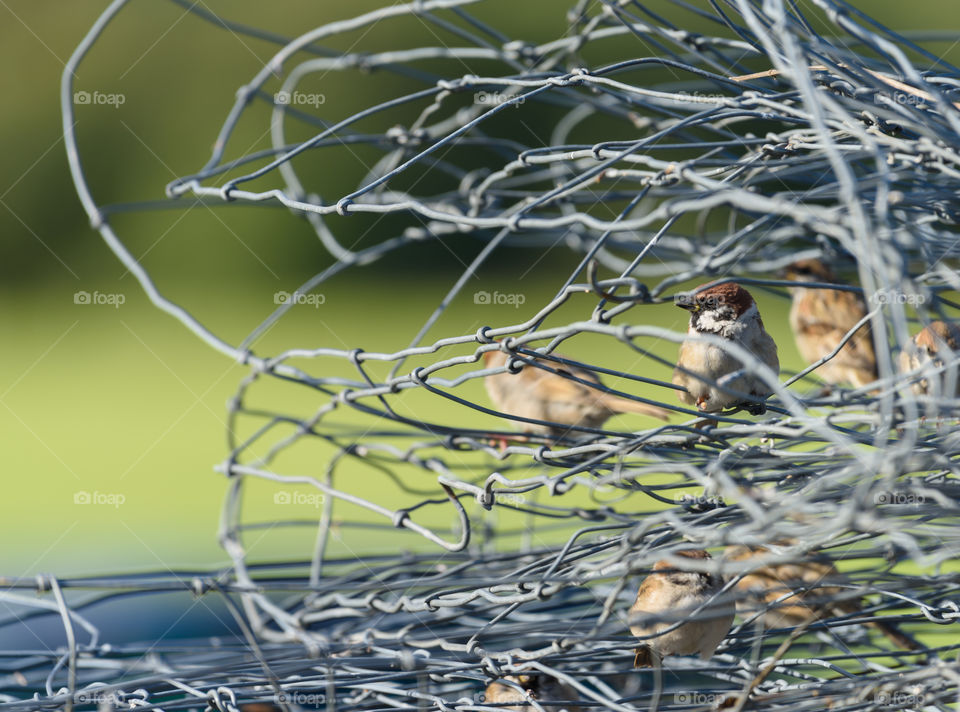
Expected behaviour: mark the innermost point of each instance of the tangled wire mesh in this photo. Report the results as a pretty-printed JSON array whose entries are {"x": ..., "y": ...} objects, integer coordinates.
[{"x": 491, "y": 555}]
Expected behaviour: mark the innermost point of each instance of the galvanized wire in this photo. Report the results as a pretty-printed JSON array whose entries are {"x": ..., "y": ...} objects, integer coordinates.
[{"x": 845, "y": 148}]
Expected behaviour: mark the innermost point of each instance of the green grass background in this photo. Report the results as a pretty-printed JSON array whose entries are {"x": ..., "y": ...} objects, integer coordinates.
[{"x": 126, "y": 400}]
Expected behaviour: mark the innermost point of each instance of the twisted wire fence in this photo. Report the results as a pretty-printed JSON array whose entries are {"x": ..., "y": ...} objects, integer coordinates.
[{"x": 449, "y": 552}]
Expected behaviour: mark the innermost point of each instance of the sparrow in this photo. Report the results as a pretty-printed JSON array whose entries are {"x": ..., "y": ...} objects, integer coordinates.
[
  {"x": 551, "y": 395},
  {"x": 791, "y": 594},
  {"x": 671, "y": 592},
  {"x": 820, "y": 318},
  {"x": 925, "y": 348},
  {"x": 727, "y": 311},
  {"x": 536, "y": 686}
]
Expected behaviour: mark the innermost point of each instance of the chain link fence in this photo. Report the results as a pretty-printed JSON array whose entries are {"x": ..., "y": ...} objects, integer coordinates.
[{"x": 787, "y": 131}]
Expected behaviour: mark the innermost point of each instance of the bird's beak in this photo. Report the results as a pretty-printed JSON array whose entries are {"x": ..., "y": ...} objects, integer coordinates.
[{"x": 688, "y": 303}]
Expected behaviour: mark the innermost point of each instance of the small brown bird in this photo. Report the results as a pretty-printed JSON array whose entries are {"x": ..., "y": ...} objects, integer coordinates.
[
  {"x": 930, "y": 346},
  {"x": 794, "y": 593},
  {"x": 820, "y": 318},
  {"x": 671, "y": 592},
  {"x": 727, "y": 311},
  {"x": 533, "y": 686},
  {"x": 542, "y": 395}
]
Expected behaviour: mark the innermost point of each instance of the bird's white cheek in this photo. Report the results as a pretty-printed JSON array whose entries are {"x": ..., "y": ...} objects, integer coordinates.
[{"x": 709, "y": 322}]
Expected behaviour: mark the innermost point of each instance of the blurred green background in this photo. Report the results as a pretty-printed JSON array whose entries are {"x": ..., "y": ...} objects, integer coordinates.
[{"x": 123, "y": 400}]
